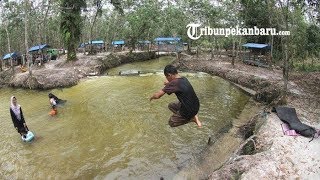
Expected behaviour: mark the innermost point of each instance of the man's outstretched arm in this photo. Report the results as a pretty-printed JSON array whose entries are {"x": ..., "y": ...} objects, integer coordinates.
[{"x": 157, "y": 95}]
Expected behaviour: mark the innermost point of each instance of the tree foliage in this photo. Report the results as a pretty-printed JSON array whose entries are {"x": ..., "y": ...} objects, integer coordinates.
[
  {"x": 71, "y": 24},
  {"x": 66, "y": 23},
  {"x": 313, "y": 39}
]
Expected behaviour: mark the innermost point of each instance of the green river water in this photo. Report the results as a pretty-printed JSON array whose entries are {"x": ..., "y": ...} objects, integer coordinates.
[{"x": 108, "y": 129}]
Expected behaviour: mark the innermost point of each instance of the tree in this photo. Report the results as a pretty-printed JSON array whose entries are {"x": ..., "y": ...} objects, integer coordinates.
[
  {"x": 256, "y": 13},
  {"x": 232, "y": 9},
  {"x": 313, "y": 39},
  {"x": 285, "y": 42},
  {"x": 8, "y": 18},
  {"x": 26, "y": 18},
  {"x": 97, "y": 12},
  {"x": 313, "y": 10},
  {"x": 71, "y": 24},
  {"x": 141, "y": 23}
]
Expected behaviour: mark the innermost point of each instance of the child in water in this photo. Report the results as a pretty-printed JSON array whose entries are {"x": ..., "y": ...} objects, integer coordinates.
[{"x": 53, "y": 104}]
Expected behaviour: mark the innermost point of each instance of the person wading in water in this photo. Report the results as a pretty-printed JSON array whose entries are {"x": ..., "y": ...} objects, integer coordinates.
[{"x": 17, "y": 117}]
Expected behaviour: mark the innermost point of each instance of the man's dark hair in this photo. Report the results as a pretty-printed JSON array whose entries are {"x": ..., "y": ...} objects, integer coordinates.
[{"x": 170, "y": 69}]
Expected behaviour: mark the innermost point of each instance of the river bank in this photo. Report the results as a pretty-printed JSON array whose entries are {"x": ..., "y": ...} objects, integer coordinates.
[
  {"x": 273, "y": 155},
  {"x": 60, "y": 74}
]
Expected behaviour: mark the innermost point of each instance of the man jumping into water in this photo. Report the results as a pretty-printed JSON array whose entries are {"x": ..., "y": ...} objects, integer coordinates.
[{"x": 186, "y": 110}]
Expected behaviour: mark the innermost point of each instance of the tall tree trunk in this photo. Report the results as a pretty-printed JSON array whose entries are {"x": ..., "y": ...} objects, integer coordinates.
[
  {"x": 285, "y": 71},
  {"x": 45, "y": 22},
  {"x": 216, "y": 46},
  {"x": 39, "y": 43},
  {"x": 9, "y": 47},
  {"x": 212, "y": 48},
  {"x": 286, "y": 61},
  {"x": 1, "y": 61},
  {"x": 71, "y": 32},
  {"x": 197, "y": 51},
  {"x": 303, "y": 60},
  {"x": 99, "y": 7},
  {"x": 271, "y": 52},
  {"x": 284, "y": 11},
  {"x": 312, "y": 61},
  {"x": 189, "y": 46},
  {"x": 29, "y": 60},
  {"x": 219, "y": 49},
  {"x": 270, "y": 12},
  {"x": 91, "y": 33},
  {"x": 72, "y": 53},
  {"x": 72, "y": 56},
  {"x": 42, "y": 30},
  {"x": 233, "y": 49},
  {"x": 239, "y": 48}
]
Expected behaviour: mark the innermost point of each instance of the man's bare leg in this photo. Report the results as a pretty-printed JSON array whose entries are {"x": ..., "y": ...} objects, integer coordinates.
[{"x": 197, "y": 121}]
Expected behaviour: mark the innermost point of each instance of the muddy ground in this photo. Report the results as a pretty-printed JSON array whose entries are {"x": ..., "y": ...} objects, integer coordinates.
[{"x": 273, "y": 155}]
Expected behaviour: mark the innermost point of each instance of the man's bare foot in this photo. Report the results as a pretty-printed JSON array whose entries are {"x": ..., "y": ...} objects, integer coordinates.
[{"x": 197, "y": 121}]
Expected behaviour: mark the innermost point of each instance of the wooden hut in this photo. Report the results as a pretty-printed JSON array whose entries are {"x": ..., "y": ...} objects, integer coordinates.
[
  {"x": 117, "y": 45},
  {"x": 256, "y": 54},
  {"x": 168, "y": 44},
  {"x": 15, "y": 56},
  {"x": 39, "y": 53}
]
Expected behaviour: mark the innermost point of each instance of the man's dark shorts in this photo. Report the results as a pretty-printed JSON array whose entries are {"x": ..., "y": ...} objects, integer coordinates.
[{"x": 176, "y": 119}]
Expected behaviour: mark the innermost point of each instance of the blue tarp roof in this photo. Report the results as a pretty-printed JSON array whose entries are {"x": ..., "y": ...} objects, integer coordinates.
[
  {"x": 97, "y": 42},
  {"x": 144, "y": 42},
  {"x": 82, "y": 45},
  {"x": 119, "y": 42},
  {"x": 13, "y": 55},
  {"x": 38, "y": 47},
  {"x": 256, "y": 45},
  {"x": 167, "y": 39}
]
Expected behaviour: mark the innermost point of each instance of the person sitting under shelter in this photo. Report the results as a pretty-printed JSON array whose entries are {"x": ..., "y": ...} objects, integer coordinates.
[{"x": 23, "y": 68}]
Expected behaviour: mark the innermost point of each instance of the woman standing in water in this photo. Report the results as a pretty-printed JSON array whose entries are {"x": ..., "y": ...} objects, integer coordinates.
[{"x": 17, "y": 117}]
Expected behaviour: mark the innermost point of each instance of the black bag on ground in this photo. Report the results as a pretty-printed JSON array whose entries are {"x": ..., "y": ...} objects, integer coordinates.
[{"x": 289, "y": 116}]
